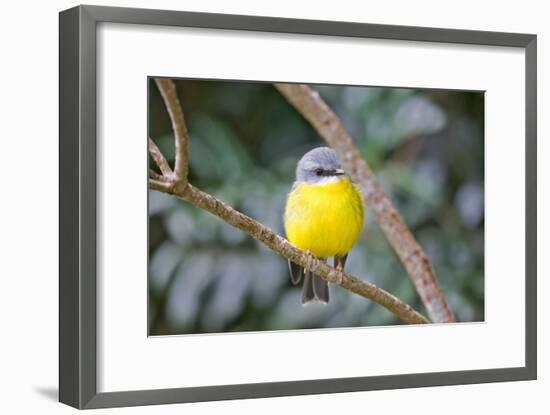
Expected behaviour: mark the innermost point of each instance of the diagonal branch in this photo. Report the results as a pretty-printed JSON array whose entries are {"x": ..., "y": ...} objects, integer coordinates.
[
  {"x": 169, "y": 183},
  {"x": 284, "y": 248},
  {"x": 161, "y": 162},
  {"x": 310, "y": 104},
  {"x": 154, "y": 175},
  {"x": 169, "y": 94}
]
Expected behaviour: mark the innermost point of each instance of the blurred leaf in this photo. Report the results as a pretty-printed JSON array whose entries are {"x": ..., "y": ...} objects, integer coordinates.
[
  {"x": 469, "y": 202},
  {"x": 160, "y": 202},
  {"x": 184, "y": 299},
  {"x": 226, "y": 157},
  {"x": 233, "y": 279},
  {"x": 418, "y": 115},
  {"x": 164, "y": 261},
  {"x": 180, "y": 226}
]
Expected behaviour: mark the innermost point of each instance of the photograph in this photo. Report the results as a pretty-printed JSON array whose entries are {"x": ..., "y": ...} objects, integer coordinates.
[
  {"x": 252, "y": 150},
  {"x": 236, "y": 185}
]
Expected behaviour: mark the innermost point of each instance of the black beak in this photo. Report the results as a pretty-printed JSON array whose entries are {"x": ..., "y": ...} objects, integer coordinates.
[
  {"x": 330, "y": 172},
  {"x": 337, "y": 172}
]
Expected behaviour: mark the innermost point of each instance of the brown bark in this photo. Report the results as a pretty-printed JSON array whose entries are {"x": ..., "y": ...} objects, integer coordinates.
[
  {"x": 169, "y": 94},
  {"x": 182, "y": 189},
  {"x": 310, "y": 104},
  {"x": 162, "y": 164}
]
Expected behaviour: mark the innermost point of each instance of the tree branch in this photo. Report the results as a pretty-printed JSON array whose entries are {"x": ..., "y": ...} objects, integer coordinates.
[
  {"x": 310, "y": 104},
  {"x": 161, "y": 185},
  {"x": 161, "y": 162},
  {"x": 182, "y": 189},
  {"x": 284, "y": 248},
  {"x": 169, "y": 94},
  {"x": 154, "y": 175}
]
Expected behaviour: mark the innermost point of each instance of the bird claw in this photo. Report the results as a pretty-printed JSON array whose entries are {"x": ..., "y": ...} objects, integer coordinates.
[
  {"x": 339, "y": 277},
  {"x": 310, "y": 260},
  {"x": 338, "y": 266}
]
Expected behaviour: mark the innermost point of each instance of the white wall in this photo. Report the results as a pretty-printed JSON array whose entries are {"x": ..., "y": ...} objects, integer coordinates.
[{"x": 28, "y": 231}]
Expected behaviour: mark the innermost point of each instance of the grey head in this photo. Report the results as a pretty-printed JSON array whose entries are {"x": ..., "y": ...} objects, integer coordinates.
[{"x": 318, "y": 166}]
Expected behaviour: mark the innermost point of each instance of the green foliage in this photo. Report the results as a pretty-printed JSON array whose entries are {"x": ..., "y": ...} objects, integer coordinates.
[{"x": 425, "y": 146}]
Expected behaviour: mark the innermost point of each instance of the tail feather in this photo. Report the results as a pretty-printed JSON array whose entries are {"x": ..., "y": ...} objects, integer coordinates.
[
  {"x": 320, "y": 288},
  {"x": 315, "y": 288},
  {"x": 296, "y": 272},
  {"x": 308, "y": 295}
]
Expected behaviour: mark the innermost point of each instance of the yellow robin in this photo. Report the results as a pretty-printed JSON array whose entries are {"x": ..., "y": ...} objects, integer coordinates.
[{"x": 324, "y": 216}]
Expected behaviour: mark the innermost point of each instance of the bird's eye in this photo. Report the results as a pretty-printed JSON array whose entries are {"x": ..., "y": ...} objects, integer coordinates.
[{"x": 318, "y": 172}]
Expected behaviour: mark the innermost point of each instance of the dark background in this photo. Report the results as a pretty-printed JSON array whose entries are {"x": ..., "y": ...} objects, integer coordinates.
[{"x": 425, "y": 146}]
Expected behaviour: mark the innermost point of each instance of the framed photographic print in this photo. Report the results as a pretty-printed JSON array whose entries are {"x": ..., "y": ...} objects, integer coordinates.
[{"x": 258, "y": 207}]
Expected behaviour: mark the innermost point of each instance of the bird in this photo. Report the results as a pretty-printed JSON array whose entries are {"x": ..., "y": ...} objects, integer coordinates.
[{"x": 323, "y": 216}]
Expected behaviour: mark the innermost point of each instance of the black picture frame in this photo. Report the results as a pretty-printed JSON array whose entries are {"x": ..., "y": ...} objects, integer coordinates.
[{"x": 77, "y": 205}]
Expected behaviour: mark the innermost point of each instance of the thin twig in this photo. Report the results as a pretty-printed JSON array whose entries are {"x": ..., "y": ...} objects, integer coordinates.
[
  {"x": 161, "y": 162},
  {"x": 310, "y": 104},
  {"x": 169, "y": 94},
  {"x": 284, "y": 248},
  {"x": 161, "y": 185},
  {"x": 154, "y": 175}
]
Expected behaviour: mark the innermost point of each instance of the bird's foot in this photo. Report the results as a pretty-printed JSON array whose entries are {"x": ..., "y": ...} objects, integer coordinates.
[
  {"x": 339, "y": 266},
  {"x": 310, "y": 260},
  {"x": 339, "y": 276}
]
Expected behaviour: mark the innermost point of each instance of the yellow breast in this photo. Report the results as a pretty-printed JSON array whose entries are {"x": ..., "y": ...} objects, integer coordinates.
[{"x": 325, "y": 219}]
